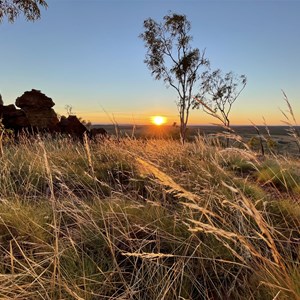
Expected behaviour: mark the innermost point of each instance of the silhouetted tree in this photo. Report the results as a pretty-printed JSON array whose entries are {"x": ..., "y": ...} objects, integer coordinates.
[
  {"x": 217, "y": 94},
  {"x": 69, "y": 110},
  {"x": 29, "y": 8},
  {"x": 171, "y": 58}
]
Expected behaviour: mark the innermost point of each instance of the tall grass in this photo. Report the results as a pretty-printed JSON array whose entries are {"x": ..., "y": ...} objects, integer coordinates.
[
  {"x": 290, "y": 120},
  {"x": 133, "y": 219}
]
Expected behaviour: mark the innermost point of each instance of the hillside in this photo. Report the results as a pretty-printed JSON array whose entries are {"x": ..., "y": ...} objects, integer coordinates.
[{"x": 147, "y": 219}]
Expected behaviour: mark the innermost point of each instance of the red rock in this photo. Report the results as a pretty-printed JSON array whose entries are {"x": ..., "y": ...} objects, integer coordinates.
[
  {"x": 35, "y": 99},
  {"x": 71, "y": 126},
  {"x": 37, "y": 107}
]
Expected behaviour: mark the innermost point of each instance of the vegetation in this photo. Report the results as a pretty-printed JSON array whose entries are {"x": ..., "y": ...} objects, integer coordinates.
[
  {"x": 147, "y": 219},
  {"x": 31, "y": 9},
  {"x": 171, "y": 58},
  {"x": 218, "y": 94}
]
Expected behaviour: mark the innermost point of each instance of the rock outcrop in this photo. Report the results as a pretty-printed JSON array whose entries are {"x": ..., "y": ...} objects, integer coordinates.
[
  {"x": 38, "y": 109},
  {"x": 13, "y": 118},
  {"x": 37, "y": 115},
  {"x": 71, "y": 126},
  {"x": 96, "y": 133}
]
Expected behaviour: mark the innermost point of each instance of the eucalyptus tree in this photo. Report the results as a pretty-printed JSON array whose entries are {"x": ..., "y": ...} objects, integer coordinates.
[
  {"x": 218, "y": 92},
  {"x": 172, "y": 59},
  {"x": 31, "y": 9}
]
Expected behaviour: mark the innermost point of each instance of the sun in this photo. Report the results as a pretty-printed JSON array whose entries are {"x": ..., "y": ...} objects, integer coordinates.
[{"x": 158, "y": 120}]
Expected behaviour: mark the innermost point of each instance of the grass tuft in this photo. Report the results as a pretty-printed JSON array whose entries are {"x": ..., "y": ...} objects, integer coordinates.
[{"x": 147, "y": 219}]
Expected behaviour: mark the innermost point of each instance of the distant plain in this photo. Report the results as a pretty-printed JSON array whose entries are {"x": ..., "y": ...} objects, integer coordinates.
[{"x": 284, "y": 143}]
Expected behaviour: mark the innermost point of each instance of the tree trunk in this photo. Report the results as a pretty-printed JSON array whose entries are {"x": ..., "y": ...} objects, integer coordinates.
[
  {"x": 183, "y": 132},
  {"x": 228, "y": 130}
]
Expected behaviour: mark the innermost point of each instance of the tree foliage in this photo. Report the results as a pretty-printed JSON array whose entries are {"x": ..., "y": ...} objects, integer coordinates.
[
  {"x": 31, "y": 9},
  {"x": 218, "y": 92},
  {"x": 171, "y": 58}
]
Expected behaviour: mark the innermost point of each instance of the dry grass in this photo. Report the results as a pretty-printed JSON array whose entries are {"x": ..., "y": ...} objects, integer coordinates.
[{"x": 155, "y": 219}]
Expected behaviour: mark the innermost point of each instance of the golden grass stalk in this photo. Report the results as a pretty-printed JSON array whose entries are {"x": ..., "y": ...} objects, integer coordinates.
[{"x": 147, "y": 168}]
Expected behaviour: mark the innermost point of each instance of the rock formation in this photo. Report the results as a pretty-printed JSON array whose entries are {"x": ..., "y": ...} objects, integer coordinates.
[
  {"x": 38, "y": 109},
  {"x": 72, "y": 126},
  {"x": 36, "y": 115},
  {"x": 97, "y": 133},
  {"x": 13, "y": 118}
]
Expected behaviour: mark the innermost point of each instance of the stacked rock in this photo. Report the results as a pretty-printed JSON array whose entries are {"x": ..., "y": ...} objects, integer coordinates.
[{"x": 38, "y": 110}]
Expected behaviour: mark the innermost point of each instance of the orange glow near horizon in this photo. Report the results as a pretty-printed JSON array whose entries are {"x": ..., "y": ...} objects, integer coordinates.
[
  {"x": 196, "y": 118},
  {"x": 158, "y": 120}
]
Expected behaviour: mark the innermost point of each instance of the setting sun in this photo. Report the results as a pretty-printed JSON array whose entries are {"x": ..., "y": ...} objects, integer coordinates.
[{"x": 158, "y": 120}]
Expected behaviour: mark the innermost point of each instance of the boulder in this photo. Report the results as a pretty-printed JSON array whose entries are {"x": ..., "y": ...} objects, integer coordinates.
[
  {"x": 38, "y": 109},
  {"x": 8, "y": 109},
  {"x": 13, "y": 118},
  {"x": 72, "y": 126},
  {"x": 97, "y": 133},
  {"x": 34, "y": 99},
  {"x": 36, "y": 115}
]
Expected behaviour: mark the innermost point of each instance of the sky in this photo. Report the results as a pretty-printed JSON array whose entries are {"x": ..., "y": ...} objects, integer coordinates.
[{"x": 87, "y": 54}]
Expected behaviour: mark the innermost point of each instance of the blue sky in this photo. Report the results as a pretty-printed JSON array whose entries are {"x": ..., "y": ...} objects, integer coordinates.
[{"x": 87, "y": 54}]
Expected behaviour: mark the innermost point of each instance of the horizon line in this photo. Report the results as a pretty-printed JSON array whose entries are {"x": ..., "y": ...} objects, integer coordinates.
[{"x": 191, "y": 125}]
